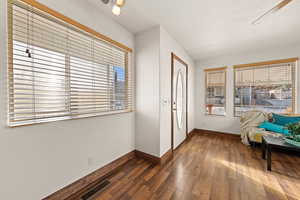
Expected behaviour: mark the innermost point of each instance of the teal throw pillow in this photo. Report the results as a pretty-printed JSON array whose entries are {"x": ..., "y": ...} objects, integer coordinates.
[{"x": 268, "y": 126}]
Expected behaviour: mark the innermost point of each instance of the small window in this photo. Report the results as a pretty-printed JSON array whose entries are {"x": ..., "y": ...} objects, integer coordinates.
[
  {"x": 266, "y": 87},
  {"x": 215, "y": 98}
]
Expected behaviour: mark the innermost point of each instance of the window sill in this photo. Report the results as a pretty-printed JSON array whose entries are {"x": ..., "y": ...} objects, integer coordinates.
[
  {"x": 33, "y": 122},
  {"x": 214, "y": 115}
]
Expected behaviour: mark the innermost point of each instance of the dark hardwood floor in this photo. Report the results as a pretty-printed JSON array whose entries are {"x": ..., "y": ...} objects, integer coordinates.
[{"x": 212, "y": 167}]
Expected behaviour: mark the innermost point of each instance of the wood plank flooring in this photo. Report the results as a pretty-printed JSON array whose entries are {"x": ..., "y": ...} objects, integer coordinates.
[{"x": 208, "y": 167}]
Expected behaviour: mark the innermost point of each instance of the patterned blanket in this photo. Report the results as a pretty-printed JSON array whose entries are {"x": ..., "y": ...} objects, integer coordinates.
[{"x": 249, "y": 124}]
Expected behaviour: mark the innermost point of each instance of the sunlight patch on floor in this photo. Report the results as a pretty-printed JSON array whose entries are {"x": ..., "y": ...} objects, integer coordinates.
[{"x": 257, "y": 177}]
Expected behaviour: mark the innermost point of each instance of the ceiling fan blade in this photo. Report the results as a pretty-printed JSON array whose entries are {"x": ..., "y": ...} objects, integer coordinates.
[
  {"x": 274, "y": 9},
  {"x": 282, "y": 4}
]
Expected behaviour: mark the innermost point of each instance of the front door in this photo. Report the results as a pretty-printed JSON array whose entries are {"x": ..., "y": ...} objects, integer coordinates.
[{"x": 179, "y": 101}]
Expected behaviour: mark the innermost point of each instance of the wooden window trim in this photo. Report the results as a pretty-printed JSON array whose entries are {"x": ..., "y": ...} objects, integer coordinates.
[
  {"x": 215, "y": 69},
  {"x": 68, "y": 20},
  {"x": 271, "y": 62}
]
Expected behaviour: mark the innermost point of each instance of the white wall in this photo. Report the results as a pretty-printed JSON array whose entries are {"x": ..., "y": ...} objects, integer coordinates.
[
  {"x": 153, "y": 80},
  {"x": 40, "y": 159},
  {"x": 147, "y": 91},
  {"x": 229, "y": 123},
  {"x": 167, "y": 46}
]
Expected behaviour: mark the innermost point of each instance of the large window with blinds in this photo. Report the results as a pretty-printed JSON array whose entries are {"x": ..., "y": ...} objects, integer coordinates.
[
  {"x": 215, "y": 95},
  {"x": 59, "y": 71},
  {"x": 268, "y": 86}
]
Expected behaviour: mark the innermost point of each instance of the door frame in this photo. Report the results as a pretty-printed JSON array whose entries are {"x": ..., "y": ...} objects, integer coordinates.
[{"x": 173, "y": 58}]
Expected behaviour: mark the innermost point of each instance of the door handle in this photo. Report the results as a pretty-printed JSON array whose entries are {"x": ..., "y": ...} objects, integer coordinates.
[{"x": 174, "y": 106}]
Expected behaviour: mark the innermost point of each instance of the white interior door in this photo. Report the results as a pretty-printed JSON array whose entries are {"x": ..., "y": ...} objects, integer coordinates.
[{"x": 179, "y": 103}]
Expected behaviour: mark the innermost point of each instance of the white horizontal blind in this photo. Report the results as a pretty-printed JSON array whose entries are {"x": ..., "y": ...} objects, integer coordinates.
[
  {"x": 57, "y": 71},
  {"x": 269, "y": 88},
  {"x": 216, "y": 78}
]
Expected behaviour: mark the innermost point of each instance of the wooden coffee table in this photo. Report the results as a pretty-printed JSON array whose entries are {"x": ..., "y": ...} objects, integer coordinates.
[{"x": 269, "y": 143}]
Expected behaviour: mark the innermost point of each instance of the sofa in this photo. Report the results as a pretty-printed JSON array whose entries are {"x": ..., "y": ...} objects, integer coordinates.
[{"x": 252, "y": 120}]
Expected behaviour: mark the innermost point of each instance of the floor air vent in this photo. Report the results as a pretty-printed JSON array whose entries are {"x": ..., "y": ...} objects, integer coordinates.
[{"x": 95, "y": 190}]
